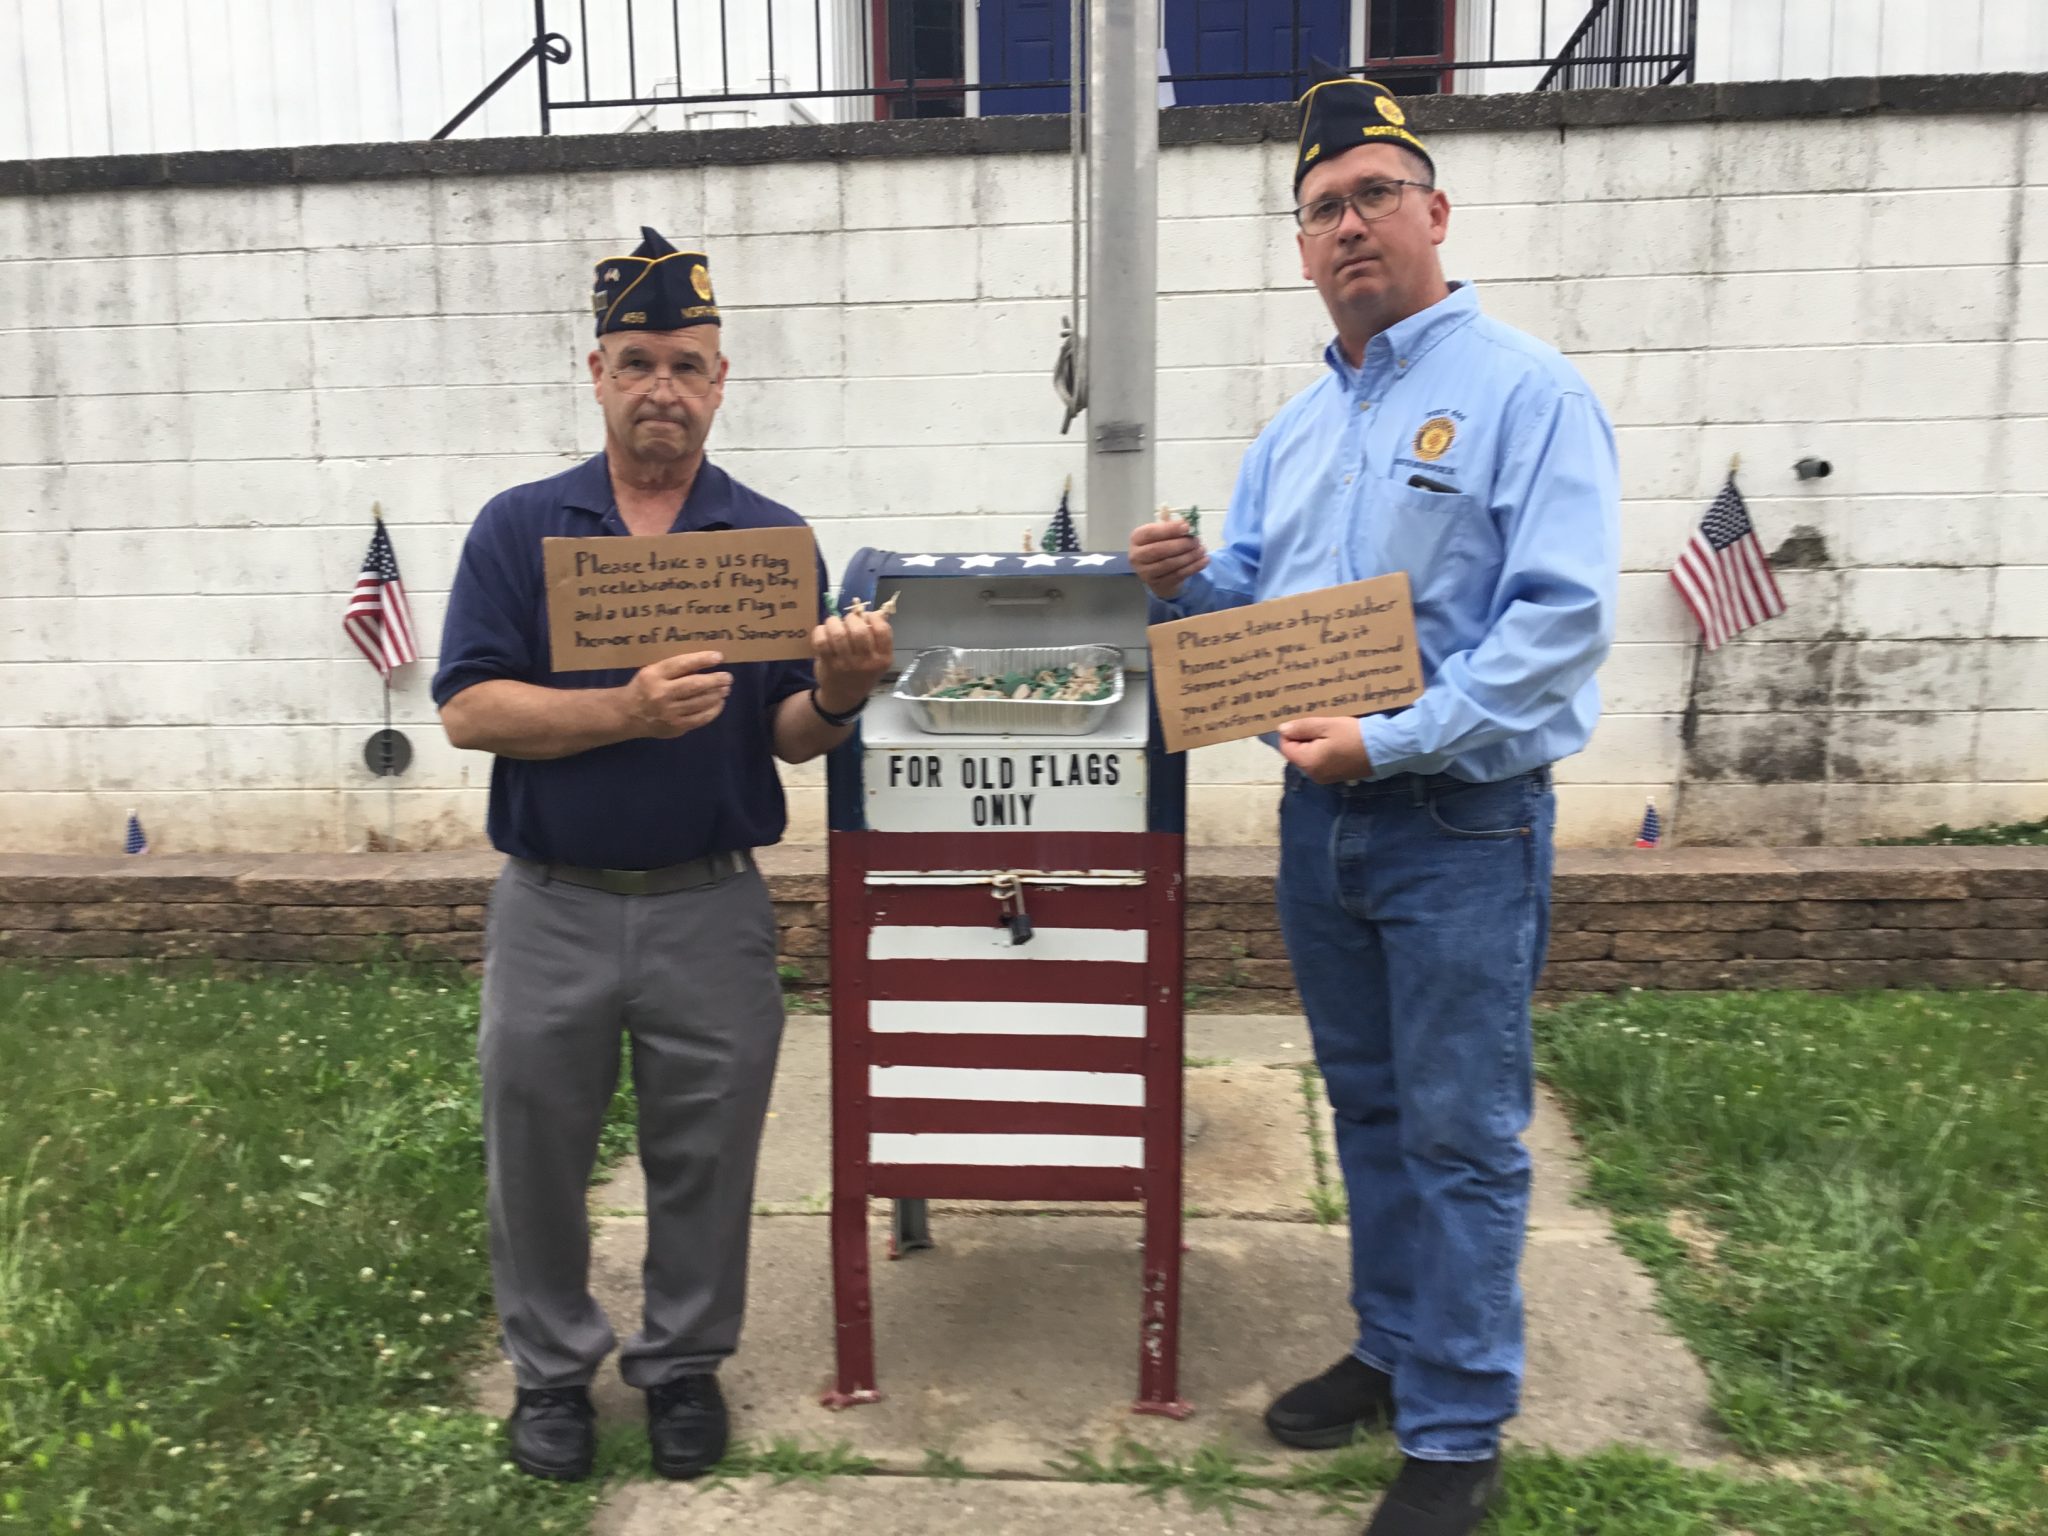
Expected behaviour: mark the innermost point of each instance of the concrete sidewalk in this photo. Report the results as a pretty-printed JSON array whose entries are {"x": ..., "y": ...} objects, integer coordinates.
[{"x": 1015, "y": 1341}]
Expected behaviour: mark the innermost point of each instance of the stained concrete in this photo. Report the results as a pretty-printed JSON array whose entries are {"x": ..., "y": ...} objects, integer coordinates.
[
  {"x": 1014, "y": 1343},
  {"x": 1016, "y": 1340},
  {"x": 922, "y": 1507}
]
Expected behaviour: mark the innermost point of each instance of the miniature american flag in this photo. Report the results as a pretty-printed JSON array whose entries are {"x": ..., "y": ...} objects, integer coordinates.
[
  {"x": 378, "y": 618},
  {"x": 1652, "y": 832},
  {"x": 1723, "y": 575},
  {"x": 134, "y": 841},
  {"x": 1060, "y": 537}
]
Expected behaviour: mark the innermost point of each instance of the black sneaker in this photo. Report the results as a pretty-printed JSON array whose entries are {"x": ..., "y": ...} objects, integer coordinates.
[
  {"x": 1437, "y": 1498},
  {"x": 1334, "y": 1408},
  {"x": 552, "y": 1433},
  {"x": 686, "y": 1425}
]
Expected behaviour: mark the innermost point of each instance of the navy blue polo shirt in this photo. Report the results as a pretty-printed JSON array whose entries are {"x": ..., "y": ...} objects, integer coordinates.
[{"x": 639, "y": 804}]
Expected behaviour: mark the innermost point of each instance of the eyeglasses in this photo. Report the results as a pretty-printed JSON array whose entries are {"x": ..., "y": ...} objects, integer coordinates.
[
  {"x": 1374, "y": 200},
  {"x": 639, "y": 376}
]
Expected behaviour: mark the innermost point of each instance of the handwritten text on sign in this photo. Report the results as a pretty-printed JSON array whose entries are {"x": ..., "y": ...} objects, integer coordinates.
[
  {"x": 1346, "y": 650},
  {"x": 750, "y": 594}
]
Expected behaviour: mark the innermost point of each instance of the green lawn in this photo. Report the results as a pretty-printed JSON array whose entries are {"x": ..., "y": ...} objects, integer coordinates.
[
  {"x": 241, "y": 1269},
  {"x": 1845, "y": 1200},
  {"x": 240, "y": 1260}
]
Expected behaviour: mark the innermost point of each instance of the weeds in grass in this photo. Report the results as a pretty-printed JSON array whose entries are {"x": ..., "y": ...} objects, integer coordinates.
[
  {"x": 2011, "y": 834},
  {"x": 1325, "y": 1196},
  {"x": 943, "y": 1467},
  {"x": 241, "y": 1267},
  {"x": 786, "y": 1460},
  {"x": 1875, "y": 1176}
]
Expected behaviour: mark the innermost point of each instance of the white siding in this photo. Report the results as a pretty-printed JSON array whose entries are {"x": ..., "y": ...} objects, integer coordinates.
[{"x": 94, "y": 77}]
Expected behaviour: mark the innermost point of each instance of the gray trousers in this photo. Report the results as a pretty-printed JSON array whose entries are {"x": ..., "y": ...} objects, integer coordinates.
[{"x": 691, "y": 977}]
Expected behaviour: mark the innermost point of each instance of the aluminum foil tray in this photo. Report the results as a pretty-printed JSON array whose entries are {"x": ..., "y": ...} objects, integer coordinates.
[{"x": 1009, "y": 717}]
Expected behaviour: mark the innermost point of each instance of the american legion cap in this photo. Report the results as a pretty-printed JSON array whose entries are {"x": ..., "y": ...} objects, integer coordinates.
[
  {"x": 1343, "y": 113},
  {"x": 657, "y": 288}
]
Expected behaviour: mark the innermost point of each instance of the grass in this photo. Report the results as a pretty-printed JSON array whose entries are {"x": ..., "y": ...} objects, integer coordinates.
[
  {"x": 241, "y": 1266},
  {"x": 1325, "y": 1196},
  {"x": 241, "y": 1269},
  {"x": 2012, "y": 834},
  {"x": 1845, "y": 1201},
  {"x": 1618, "y": 1492}
]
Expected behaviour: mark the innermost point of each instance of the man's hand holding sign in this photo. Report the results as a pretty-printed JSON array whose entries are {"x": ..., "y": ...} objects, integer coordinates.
[
  {"x": 1286, "y": 663},
  {"x": 683, "y": 605}
]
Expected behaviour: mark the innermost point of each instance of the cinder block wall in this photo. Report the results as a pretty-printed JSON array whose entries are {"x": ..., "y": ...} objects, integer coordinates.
[{"x": 212, "y": 366}]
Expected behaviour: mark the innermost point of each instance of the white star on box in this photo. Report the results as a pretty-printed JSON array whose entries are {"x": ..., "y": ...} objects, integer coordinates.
[
  {"x": 1093, "y": 559},
  {"x": 980, "y": 562},
  {"x": 922, "y": 560},
  {"x": 1036, "y": 562}
]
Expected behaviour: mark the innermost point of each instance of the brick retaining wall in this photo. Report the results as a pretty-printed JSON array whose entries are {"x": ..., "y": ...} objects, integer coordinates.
[{"x": 1683, "y": 919}]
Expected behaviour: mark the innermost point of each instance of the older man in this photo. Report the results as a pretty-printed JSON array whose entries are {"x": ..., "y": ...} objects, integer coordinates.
[
  {"x": 1416, "y": 847},
  {"x": 628, "y": 805}
]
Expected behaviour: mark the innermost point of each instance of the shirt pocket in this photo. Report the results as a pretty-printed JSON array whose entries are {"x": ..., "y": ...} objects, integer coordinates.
[{"x": 1435, "y": 536}]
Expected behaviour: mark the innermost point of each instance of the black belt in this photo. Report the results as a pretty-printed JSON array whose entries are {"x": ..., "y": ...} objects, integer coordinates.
[{"x": 687, "y": 876}]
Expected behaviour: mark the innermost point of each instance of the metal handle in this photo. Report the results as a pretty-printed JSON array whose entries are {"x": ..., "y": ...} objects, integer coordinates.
[{"x": 1049, "y": 596}]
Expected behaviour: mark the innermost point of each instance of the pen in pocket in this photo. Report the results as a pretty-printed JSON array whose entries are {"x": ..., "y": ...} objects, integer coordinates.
[{"x": 1431, "y": 485}]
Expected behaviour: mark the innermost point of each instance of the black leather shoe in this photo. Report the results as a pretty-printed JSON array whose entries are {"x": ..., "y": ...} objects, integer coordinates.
[
  {"x": 1437, "y": 1498},
  {"x": 1334, "y": 1408},
  {"x": 686, "y": 1425},
  {"x": 552, "y": 1433}
]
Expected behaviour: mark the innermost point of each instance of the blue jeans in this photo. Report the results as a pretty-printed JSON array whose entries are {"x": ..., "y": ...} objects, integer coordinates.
[{"x": 1416, "y": 912}]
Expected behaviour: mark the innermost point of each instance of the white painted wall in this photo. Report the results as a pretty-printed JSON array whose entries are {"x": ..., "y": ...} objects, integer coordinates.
[
  {"x": 96, "y": 77},
  {"x": 91, "y": 77},
  {"x": 202, "y": 392}
]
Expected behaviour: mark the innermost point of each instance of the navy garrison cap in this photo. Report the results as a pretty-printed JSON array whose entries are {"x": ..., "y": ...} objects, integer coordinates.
[
  {"x": 1342, "y": 113},
  {"x": 657, "y": 288}
]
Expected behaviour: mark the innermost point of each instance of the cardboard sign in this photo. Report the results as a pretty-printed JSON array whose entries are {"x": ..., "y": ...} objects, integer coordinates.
[
  {"x": 750, "y": 594},
  {"x": 1346, "y": 650}
]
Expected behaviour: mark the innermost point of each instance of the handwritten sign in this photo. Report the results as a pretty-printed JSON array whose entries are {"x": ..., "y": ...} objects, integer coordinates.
[
  {"x": 1346, "y": 650},
  {"x": 750, "y": 594}
]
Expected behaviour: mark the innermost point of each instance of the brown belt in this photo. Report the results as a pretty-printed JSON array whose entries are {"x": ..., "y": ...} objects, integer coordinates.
[{"x": 687, "y": 876}]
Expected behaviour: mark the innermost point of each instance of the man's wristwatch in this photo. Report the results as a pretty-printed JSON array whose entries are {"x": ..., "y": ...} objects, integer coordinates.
[{"x": 832, "y": 719}]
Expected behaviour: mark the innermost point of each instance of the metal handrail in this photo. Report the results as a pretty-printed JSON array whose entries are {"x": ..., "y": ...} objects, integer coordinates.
[
  {"x": 1682, "y": 60},
  {"x": 1673, "y": 23},
  {"x": 549, "y": 46}
]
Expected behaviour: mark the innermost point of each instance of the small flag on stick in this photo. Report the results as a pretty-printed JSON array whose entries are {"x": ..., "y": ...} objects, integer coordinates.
[
  {"x": 1652, "y": 832},
  {"x": 1723, "y": 575},
  {"x": 378, "y": 618},
  {"x": 1060, "y": 537},
  {"x": 135, "y": 841}
]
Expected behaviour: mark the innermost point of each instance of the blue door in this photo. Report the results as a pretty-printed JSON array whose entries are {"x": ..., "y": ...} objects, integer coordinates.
[
  {"x": 1023, "y": 41},
  {"x": 1253, "y": 37}
]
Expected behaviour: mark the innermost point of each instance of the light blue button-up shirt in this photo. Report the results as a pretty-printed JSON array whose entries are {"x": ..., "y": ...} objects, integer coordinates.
[{"x": 1474, "y": 458}]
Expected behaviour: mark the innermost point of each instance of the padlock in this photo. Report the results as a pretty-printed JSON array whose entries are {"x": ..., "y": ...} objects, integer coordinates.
[{"x": 1009, "y": 893}]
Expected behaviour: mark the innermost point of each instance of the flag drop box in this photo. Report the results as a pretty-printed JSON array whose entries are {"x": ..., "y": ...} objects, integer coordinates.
[{"x": 1007, "y": 934}]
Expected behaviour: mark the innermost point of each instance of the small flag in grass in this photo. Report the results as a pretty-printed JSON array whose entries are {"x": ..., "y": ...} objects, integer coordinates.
[
  {"x": 1652, "y": 832},
  {"x": 135, "y": 841}
]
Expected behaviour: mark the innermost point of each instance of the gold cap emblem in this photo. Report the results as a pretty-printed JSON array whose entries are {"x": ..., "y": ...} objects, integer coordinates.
[
  {"x": 701, "y": 281},
  {"x": 1390, "y": 110},
  {"x": 1434, "y": 437}
]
